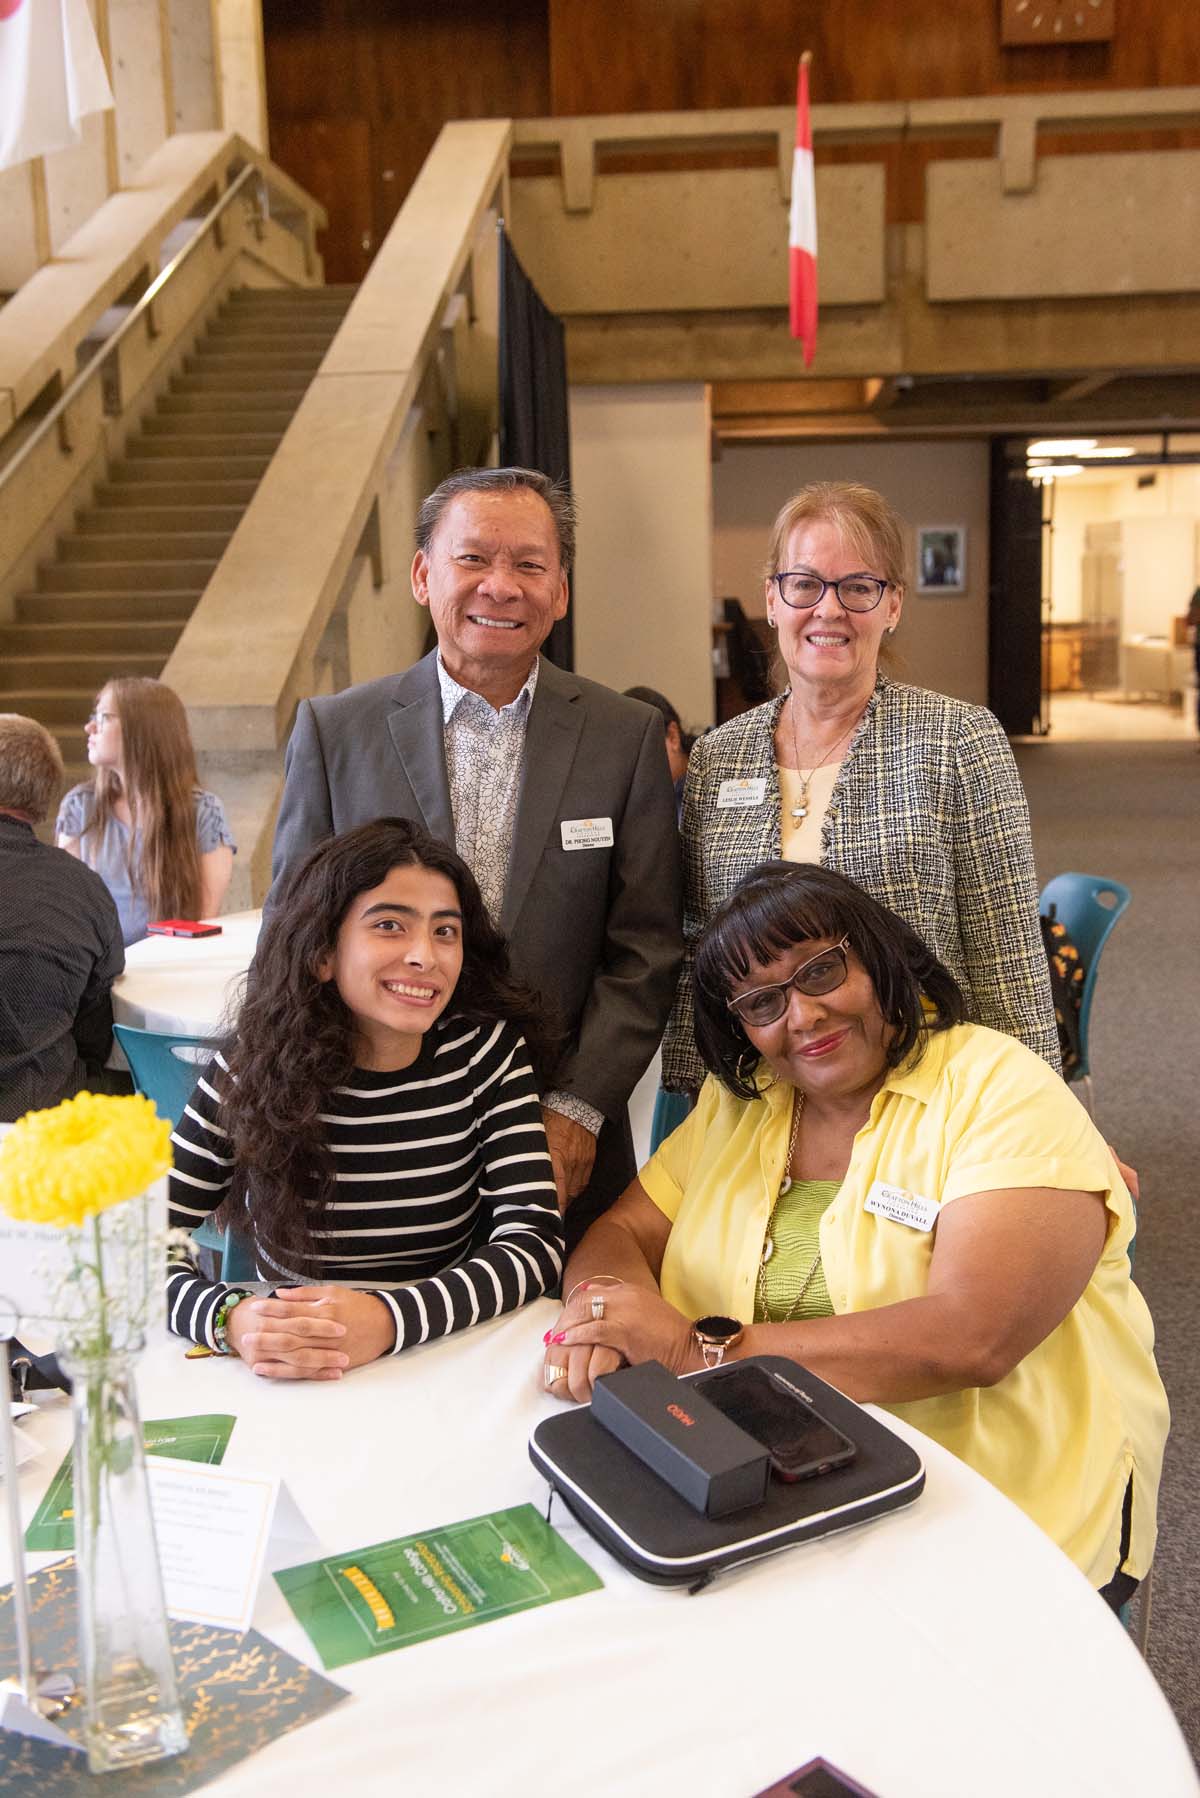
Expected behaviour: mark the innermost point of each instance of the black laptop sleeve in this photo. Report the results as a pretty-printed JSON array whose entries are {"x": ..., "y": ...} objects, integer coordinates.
[{"x": 650, "y": 1530}]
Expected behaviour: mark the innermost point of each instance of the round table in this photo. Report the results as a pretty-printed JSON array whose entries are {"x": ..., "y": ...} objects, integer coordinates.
[
  {"x": 184, "y": 986},
  {"x": 948, "y": 1649}
]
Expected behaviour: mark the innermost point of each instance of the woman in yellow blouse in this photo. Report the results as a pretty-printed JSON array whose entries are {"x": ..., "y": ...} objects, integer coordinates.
[{"x": 914, "y": 1207}]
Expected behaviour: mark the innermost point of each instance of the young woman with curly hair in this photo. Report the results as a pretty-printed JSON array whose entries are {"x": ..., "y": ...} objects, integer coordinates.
[
  {"x": 158, "y": 840},
  {"x": 372, "y": 1123}
]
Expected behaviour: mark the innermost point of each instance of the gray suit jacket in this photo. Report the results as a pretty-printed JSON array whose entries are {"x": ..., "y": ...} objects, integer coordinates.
[{"x": 596, "y": 931}]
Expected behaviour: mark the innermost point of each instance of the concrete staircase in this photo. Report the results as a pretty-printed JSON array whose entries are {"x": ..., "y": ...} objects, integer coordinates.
[{"x": 124, "y": 582}]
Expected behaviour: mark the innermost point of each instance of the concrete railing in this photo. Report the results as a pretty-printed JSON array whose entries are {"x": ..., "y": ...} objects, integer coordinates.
[
  {"x": 313, "y": 591},
  {"x": 708, "y": 192},
  {"x": 63, "y": 366}
]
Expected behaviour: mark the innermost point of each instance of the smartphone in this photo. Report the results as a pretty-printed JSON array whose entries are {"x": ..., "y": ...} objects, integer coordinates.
[
  {"x": 182, "y": 927},
  {"x": 798, "y": 1439}
]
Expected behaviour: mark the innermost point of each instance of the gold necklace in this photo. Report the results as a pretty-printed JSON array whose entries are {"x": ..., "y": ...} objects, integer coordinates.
[
  {"x": 768, "y": 1248},
  {"x": 800, "y": 810}
]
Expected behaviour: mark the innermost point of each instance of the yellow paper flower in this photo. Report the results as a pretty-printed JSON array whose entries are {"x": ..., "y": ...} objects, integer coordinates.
[{"x": 90, "y": 1152}]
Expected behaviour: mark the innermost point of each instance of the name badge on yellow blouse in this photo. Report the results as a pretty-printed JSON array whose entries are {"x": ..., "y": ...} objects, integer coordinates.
[
  {"x": 587, "y": 833},
  {"x": 737, "y": 795},
  {"x": 901, "y": 1206}
]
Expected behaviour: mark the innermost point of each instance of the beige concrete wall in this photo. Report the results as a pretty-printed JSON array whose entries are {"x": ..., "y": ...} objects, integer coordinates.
[
  {"x": 941, "y": 642},
  {"x": 1093, "y": 225},
  {"x": 174, "y": 65},
  {"x": 643, "y": 584}
]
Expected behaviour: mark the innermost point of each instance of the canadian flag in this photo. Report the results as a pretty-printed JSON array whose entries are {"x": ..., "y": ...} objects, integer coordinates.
[
  {"x": 802, "y": 232},
  {"x": 51, "y": 74}
]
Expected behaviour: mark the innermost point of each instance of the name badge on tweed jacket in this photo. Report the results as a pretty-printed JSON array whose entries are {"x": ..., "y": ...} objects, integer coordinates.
[{"x": 739, "y": 795}]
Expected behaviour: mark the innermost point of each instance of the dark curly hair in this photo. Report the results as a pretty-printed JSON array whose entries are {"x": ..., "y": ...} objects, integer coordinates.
[
  {"x": 780, "y": 904},
  {"x": 294, "y": 1038}
]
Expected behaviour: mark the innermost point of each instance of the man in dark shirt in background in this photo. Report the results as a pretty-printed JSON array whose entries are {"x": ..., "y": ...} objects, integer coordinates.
[{"x": 60, "y": 939}]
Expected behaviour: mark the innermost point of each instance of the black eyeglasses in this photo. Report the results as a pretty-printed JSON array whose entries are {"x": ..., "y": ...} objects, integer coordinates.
[
  {"x": 819, "y": 975},
  {"x": 857, "y": 592}
]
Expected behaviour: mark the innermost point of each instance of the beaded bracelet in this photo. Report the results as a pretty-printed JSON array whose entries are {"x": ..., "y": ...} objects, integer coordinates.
[{"x": 233, "y": 1297}]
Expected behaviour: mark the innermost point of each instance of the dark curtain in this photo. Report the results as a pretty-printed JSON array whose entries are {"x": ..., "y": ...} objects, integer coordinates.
[
  {"x": 534, "y": 427},
  {"x": 1015, "y": 592}
]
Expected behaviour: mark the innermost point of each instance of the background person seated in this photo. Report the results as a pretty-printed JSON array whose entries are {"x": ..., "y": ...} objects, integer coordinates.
[
  {"x": 60, "y": 940},
  {"x": 915, "y": 1208},
  {"x": 374, "y": 1119},
  {"x": 158, "y": 840}
]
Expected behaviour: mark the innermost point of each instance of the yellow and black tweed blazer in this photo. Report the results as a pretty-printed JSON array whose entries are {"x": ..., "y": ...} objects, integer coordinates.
[{"x": 928, "y": 814}]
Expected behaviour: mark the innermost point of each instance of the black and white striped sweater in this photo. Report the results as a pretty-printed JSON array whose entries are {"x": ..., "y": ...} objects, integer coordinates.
[{"x": 445, "y": 1203}]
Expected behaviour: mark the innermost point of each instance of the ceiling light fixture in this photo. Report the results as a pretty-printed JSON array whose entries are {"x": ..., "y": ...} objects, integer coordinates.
[{"x": 1062, "y": 446}]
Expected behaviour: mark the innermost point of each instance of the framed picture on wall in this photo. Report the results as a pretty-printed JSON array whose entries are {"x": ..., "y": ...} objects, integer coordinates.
[{"x": 942, "y": 558}]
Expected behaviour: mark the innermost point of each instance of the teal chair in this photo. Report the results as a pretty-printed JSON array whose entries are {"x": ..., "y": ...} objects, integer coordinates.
[
  {"x": 1088, "y": 906},
  {"x": 166, "y": 1069}
]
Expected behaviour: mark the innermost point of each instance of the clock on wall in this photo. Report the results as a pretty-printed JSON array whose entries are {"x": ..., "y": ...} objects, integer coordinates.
[{"x": 1056, "y": 21}]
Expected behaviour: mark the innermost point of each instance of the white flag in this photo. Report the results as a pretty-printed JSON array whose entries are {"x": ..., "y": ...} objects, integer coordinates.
[{"x": 51, "y": 74}]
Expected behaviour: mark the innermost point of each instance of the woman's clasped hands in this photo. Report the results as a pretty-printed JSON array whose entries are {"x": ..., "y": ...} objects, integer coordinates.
[
  {"x": 606, "y": 1324},
  {"x": 310, "y": 1332}
]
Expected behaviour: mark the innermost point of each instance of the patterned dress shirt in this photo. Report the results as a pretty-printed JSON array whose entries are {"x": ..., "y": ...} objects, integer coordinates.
[{"x": 485, "y": 759}]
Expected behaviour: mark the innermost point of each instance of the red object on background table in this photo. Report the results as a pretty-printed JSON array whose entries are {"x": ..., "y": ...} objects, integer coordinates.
[{"x": 182, "y": 927}]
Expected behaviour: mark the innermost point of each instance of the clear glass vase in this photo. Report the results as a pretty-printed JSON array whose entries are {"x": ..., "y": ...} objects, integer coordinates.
[{"x": 126, "y": 1665}]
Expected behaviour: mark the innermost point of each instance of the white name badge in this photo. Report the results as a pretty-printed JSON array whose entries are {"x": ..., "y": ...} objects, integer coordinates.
[
  {"x": 902, "y": 1207},
  {"x": 737, "y": 795},
  {"x": 587, "y": 833}
]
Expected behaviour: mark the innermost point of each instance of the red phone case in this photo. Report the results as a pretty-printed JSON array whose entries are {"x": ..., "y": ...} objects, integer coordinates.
[{"x": 182, "y": 927}]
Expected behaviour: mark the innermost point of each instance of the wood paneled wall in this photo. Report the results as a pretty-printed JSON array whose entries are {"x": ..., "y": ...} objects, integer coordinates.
[
  {"x": 659, "y": 55},
  {"x": 358, "y": 89}
]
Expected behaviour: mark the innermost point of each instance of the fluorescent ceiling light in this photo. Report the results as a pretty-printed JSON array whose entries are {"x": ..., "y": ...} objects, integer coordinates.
[
  {"x": 1062, "y": 446},
  {"x": 1095, "y": 455},
  {"x": 1056, "y": 470}
]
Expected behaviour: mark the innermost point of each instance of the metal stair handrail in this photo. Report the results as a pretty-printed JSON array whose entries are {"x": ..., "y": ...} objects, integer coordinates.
[{"x": 57, "y": 417}]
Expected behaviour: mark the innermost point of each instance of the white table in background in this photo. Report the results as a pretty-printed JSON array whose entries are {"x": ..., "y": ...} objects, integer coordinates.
[
  {"x": 182, "y": 986},
  {"x": 950, "y": 1651}
]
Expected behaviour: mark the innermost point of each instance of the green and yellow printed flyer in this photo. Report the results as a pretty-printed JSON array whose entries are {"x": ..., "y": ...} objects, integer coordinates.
[
  {"x": 454, "y": 1577},
  {"x": 182, "y": 1438}
]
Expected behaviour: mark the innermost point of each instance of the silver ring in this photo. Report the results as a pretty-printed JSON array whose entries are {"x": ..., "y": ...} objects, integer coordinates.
[
  {"x": 554, "y": 1373},
  {"x": 597, "y": 1307}
]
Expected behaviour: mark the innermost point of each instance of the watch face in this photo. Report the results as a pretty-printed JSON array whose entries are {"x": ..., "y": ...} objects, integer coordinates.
[{"x": 720, "y": 1327}]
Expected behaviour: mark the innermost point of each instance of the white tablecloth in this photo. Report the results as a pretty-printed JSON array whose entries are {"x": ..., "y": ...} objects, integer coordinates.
[
  {"x": 182, "y": 986},
  {"x": 947, "y": 1651}
]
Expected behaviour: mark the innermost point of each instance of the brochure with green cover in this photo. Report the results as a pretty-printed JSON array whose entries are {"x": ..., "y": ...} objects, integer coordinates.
[
  {"x": 182, "y": 1438},
  {"x": 395, "y": 1593}
]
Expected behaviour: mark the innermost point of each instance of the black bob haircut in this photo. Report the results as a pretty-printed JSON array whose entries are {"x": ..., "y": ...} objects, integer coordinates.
[{"x": 780, "y": 904}]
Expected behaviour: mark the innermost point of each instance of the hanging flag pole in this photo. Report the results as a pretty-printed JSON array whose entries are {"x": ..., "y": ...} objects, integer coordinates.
[{"x": 802, "y": 227}]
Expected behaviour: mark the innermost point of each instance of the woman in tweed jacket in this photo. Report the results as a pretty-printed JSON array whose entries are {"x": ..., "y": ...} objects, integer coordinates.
[{"x": 924, "y": 809}]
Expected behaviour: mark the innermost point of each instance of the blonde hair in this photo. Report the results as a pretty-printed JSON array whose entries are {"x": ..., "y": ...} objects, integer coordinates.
[
  {"x": 31, "y": 766},
  {"x": 869, "y": 523},
  {"x": 158, "y": 781}
]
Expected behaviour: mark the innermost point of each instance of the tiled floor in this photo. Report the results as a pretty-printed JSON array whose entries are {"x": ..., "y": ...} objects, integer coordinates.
[{"x": 1091, "y": 718}]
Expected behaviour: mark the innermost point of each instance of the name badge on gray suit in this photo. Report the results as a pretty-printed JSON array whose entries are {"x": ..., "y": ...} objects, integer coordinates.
[{"x": 587, "y": 833}]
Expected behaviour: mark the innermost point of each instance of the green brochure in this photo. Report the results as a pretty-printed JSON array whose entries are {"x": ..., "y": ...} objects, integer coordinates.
[
  {"x": 395, "y": 1593},
  {"x": 182, "y": 1438}
]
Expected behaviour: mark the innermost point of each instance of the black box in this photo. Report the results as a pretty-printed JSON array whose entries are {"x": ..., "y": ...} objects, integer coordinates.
[{"x": 669, "y": 1425}]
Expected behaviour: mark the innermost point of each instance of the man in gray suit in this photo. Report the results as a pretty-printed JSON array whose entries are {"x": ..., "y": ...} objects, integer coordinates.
[{"x": 555, "y": 791}]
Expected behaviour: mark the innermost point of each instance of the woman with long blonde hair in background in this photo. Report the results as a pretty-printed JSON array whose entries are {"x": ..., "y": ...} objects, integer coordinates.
[{"x": 158, "y": 840}]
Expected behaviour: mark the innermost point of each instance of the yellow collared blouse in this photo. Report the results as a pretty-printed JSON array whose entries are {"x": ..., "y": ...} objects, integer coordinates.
[{"x": 1061, "y": 1434}]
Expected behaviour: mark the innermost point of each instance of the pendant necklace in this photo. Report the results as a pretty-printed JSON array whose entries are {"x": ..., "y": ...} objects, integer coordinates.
[
  {"x": 800, "y": 810},
  {"x": 768, "y": 1248}
]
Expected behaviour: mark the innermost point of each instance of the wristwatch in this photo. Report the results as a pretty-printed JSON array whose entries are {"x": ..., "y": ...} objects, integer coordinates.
[{"x": 715, "y": 1336}]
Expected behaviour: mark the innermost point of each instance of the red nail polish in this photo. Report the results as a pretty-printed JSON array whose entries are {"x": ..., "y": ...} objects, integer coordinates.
[
  {"x": 561, "y": 1336},
  {"x": 546, "y": 1337}
]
